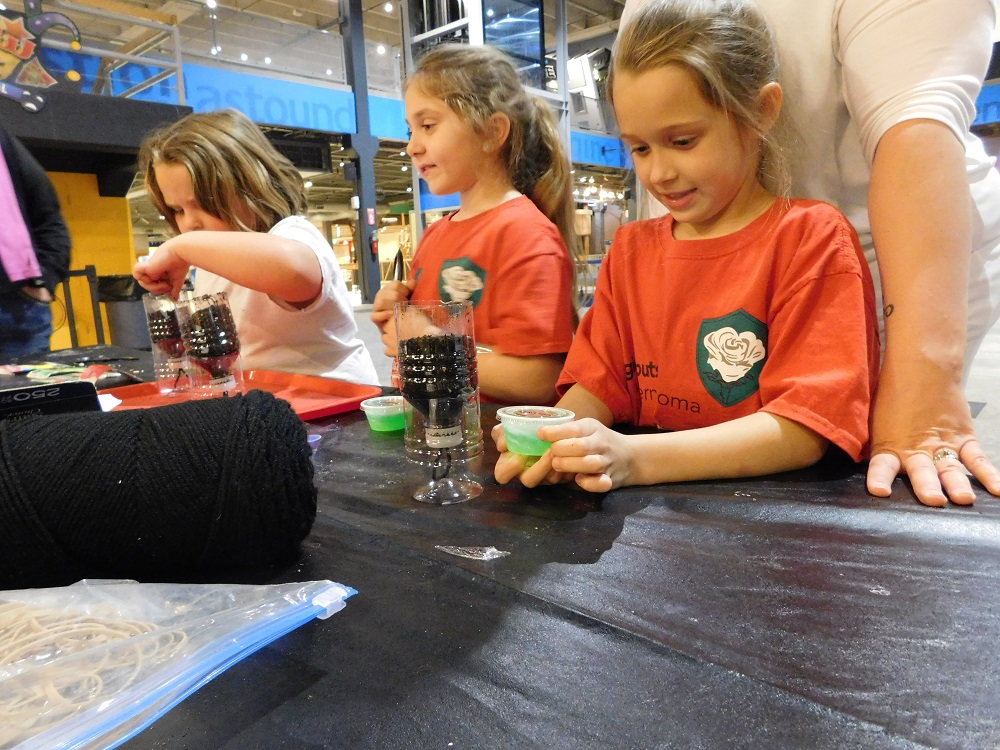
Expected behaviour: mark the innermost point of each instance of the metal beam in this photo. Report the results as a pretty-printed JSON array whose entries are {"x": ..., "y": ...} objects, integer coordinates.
[{"x": 365, "y": 147}]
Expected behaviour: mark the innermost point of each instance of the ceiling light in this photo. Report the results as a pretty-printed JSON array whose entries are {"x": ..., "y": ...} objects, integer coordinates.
[
  {"x": 405, "y": 168},
  {"x": 402, "y": 153},
  {"x": 216, "y": 49},
  {"x": 409, "y": 190},
  {"x": 380, "y": 49},
  {"x": 329, "y": 72},
  {"x": 489, "y": 13},
  {"x": 387, "y": 7},
  {"x": 211, "y": 3},
  {"x": 308, "y": 183},
  {"x": 244, "y": 57},
  {"x": 267, "y": 60}
]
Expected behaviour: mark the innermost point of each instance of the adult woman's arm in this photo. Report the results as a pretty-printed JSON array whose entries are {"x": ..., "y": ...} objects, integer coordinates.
[
  {"x": 920, "y": 214},
  {"x": 911, "y": 74}
]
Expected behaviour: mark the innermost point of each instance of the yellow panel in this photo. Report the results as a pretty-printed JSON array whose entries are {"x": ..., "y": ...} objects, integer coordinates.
[{"x": 101, "y": 230}]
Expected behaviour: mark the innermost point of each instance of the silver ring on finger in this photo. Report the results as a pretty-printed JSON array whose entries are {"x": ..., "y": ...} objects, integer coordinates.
[{"x": 944, "y": 453}]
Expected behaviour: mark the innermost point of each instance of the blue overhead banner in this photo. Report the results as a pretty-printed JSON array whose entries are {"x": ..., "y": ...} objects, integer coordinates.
[
  {"x": 388, "y": 118},
  {"x": 988, "y": 105},
  {"x": 592, "y": 148},
  {"x": 270, "y": 101},
  {"x": 274, "y": 101},
  {"x": 266, "y": 100},
  {"x": 431, "y": 202}
]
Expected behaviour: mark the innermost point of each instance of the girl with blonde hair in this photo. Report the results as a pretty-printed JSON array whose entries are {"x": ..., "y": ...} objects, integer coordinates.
[
  {"x": 236, "y": 204},
  {"x": 742, "y": 325},
  {"x": 509, "y": 248}
]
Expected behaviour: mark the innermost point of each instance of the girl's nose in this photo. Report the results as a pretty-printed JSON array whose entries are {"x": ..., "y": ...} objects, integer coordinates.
[
  {"x": 412, "y": 147},
  {"x": 188, "y": 223},
  {"x": 661, "y": 168}
]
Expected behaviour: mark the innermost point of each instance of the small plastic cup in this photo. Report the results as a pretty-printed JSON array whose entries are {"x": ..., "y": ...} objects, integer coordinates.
[
  {"x": 385, "y": 413},
  {"x": 521, "y": 423}
]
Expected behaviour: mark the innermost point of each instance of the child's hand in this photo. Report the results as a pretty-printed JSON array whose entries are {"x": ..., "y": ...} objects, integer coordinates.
[
  {"x": 597, "y": 456},
  {"x": 382, "y": 311},
  {"x": 600, "y": 458},
  {"x": 515, "y": 466},
  {"x": 163, "y": 273}
]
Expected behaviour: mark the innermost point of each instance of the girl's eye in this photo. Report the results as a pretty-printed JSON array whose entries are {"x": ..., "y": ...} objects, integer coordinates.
[
  {"x": 684, "y": 142},
  {"x": 638, "y": 149}
]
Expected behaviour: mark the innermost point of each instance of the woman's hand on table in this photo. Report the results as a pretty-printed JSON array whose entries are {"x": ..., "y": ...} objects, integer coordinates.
[
  {"x": 383, "y": 311},
  {"x": 925, "y": 430}
]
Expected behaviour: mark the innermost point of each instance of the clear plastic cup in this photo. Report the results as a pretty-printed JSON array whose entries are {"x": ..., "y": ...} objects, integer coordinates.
[
  {"x": 170, "y": 362},
  {"x": 439, "y": 380},
  {"x": 521, "y": 424},
  {"x": 385, "y": 413},
  {"x": 212, "y": 344}
]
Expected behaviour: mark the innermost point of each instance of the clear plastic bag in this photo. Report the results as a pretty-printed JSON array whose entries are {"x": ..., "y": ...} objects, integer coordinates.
[{"x": 92, "y": 664}]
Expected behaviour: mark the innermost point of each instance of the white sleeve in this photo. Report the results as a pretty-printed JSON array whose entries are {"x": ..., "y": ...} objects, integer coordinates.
[{"x": 913, "y": 59}]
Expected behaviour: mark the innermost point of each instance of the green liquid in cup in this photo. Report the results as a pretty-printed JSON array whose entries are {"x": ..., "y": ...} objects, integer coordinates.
[
  {"x": 387, "y": 423},
  {"x": 521, "y": 425},
  {"x": 524, "y": 441}
]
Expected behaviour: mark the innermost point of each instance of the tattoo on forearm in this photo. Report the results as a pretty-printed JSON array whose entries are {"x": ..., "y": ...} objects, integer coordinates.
[{"x": 887, "y": 311}]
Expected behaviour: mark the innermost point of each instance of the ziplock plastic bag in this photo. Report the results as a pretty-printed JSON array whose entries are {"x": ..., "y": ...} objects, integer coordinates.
[{"x": 92, "y": 664}]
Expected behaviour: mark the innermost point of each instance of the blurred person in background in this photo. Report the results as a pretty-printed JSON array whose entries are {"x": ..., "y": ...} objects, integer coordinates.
[{"x": 34, "y": 250}]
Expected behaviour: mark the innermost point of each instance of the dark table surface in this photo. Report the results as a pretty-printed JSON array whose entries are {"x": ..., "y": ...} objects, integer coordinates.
[
  {"x": 788, "y": 612},
  {"x": 130, "y": 365}
]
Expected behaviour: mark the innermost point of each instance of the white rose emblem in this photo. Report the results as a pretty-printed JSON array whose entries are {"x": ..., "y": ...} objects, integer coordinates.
[
  {"x": 460, "y": 283},
  {"x": 732, "y": 354}
]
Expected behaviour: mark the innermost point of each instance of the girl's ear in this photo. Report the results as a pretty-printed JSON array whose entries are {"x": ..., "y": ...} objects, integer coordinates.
[
  {"x": 769, "y": 99},
  {"x": 498, "y": 129}
]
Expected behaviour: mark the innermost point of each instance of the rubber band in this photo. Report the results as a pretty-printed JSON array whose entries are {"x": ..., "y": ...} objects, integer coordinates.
[{"x": 41, "y": 639}]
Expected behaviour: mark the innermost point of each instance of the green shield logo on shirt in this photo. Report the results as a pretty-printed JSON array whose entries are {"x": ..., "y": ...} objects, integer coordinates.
[
  {"x": 731, "y": 352},
  {"x": 461, "y": 280}
]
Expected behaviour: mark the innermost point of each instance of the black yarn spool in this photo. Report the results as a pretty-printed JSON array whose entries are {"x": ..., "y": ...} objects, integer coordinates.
[{"x": 191, "y": 488}]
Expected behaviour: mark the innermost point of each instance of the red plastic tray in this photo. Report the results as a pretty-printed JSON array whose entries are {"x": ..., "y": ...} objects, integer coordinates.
[{"x": 311, "y": 397}]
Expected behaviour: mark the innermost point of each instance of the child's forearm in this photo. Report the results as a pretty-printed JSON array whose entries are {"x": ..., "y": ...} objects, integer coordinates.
[
  {"x": 525, "y": 380},
  {"x": 754, "y": 445},
  {"x": 276, "y": 266},
  {"x": 584, "y": 404}
]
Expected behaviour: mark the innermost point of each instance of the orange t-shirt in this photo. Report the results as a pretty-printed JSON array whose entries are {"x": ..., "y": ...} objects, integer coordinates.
[
  {"x": 779, "y": 316},
  {"x": 512, "y": 263}
]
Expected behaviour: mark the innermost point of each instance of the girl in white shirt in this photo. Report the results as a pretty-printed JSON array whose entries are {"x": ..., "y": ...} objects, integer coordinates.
[{"x": 236, "y": 204}]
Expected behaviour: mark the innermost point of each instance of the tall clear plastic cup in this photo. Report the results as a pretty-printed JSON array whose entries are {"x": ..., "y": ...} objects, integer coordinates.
[
  {"x": 212, "y": 344},
  {"x": 440, "y": 382},
  {"x": 170, "y": 362}
]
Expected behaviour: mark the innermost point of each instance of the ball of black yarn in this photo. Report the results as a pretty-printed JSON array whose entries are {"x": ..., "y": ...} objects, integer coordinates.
[{"x": 191, "y": 488}]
